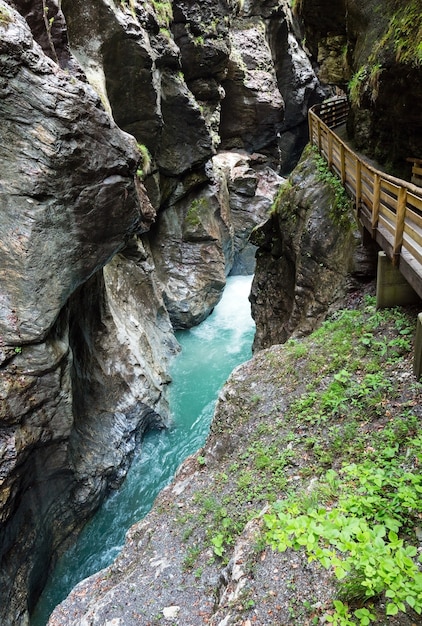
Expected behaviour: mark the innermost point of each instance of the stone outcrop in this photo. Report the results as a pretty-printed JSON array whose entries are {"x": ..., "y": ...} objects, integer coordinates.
[
  {"x": 81, "y": 377},
  {"x": 203, "y": 237},
  {"x": 307, "y": 249},
  {"x": 373, "y": 53}
]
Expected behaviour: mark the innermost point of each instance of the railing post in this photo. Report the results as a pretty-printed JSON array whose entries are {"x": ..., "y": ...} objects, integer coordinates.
[
  {"x": 376, "y": 203},
  {"x": 342, "y": 164},
  {"x": 319, "y": 134},
  {"x": 400, "y": 215},
  {"x": 330, "y": 149},
  {"x": 358, "y": 184},
  {"x": 311, "y": 127}
]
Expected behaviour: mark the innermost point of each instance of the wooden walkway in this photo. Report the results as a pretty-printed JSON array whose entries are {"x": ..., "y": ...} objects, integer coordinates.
[{"x": 389, "y": 208}]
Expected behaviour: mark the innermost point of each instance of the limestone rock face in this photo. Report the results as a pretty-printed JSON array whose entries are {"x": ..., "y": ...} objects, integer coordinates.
[
  {"x": 303, "y": 258},
  {"x": 298, "y": 85},
  {"x": 252, "y": 110},
  {"x": 204, "y": 236},
  {"x": 374, "y": 56},
  {"x": 248, "y": 186},
  {"x": 63, "y": 161},
  {"x": 81, "y": 377}
]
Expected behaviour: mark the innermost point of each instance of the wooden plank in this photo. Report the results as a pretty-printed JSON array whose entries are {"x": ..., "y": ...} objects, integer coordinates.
[
  {"x": 414, "y": 219},
  {"x": 413, "y": 233},
  {"x": 388, "y": 202},
  {"x": 386, "y": 211},
  {"x": 414, "y": 201},
  {"x": 392, "y": 188},
  {"x": 384, "y": 222},
  {"x": 414, "y": 250}
]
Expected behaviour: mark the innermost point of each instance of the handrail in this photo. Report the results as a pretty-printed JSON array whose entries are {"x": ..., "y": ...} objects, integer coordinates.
[{"x": 388, "y": 207}]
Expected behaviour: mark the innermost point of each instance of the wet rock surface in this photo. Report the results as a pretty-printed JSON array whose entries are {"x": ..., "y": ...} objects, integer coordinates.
[{"x": 372, "y": 53}]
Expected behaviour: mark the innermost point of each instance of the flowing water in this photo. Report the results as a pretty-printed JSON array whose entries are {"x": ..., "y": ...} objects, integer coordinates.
[{"x": 209, "y": 353}]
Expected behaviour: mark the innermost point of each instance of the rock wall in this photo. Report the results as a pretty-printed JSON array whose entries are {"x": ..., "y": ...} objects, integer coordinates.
[
  {"x": 140, "y": 144},
  {"x": 73, "y": 403},
  {"x": 372, "y": 51},
  {"x": 308, "y": 249}
]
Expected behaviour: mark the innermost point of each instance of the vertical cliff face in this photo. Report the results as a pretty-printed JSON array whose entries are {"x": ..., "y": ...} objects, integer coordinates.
[
  {"x": 307, "y": 251},
  {"x": 372, "y": 51},
  {"x": 140, "y": 144}
]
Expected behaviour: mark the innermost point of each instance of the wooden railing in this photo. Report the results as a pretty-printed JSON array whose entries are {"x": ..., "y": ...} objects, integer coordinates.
[{"x": 388, "y": 207}]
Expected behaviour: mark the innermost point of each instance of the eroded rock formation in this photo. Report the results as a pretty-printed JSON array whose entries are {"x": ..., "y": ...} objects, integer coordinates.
[
  {"x": 372, "y": 51},
  {"x": 306, "y": 251}
]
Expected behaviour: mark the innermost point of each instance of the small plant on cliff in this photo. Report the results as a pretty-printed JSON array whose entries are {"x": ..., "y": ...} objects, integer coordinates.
[
  {"x": 404, "y": 35},
  {"x": 5, "y": 16},
  {"x": 163, "y": 12},
  {"x": 145, "y": 165},
  {"x": 357, "y": 84},
  {"x": 48, "y": 22},
  {"x": 341, "y": 211},
  {"x": 193, "y": 216}
]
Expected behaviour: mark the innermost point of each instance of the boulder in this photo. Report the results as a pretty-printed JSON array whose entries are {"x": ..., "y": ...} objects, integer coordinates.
[{"x": 306, "y": 251}]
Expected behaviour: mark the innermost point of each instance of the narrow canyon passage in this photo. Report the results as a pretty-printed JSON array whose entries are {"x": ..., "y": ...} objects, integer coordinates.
[{"x": 209, "y": 353}]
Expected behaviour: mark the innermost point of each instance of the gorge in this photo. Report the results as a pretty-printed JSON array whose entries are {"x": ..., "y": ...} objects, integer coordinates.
[{"x": 141, "y": 144}]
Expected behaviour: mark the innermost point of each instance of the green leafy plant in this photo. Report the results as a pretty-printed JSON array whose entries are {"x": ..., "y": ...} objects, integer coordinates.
[
  {"x": 358, "y": 537},
  {"x": 341, "y": 210},
  {"x": 163, "y": 12}
]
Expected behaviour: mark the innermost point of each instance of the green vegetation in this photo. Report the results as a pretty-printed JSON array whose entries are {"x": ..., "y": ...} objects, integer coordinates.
[
  {"x": 145, "y": 165},
  {"x": 351, "y": 438},
  {"x": 163, "y": 12},
  {"x": 358, "y": 536},
  {"x": 193, "y": 216},
  {"x": 402, "y": 39},
  {"x": 404, "y": 34},
  {"x": 359, "y": 520},
  {"x": 5, "y": 16},
  {"x": 285, "y": 202},
  {"x": 341, "y": 210}
]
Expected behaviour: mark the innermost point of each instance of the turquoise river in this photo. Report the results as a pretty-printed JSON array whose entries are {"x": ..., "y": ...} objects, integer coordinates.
[{"x": 209, "y": 353}]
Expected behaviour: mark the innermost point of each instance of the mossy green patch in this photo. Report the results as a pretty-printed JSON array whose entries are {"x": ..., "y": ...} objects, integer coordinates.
[
  {"x": 163, "y": 12},
  {"x": 193, "y": 216},
  {"x": 5, "y": 16},
  {"x": 404, "y": 34}
]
